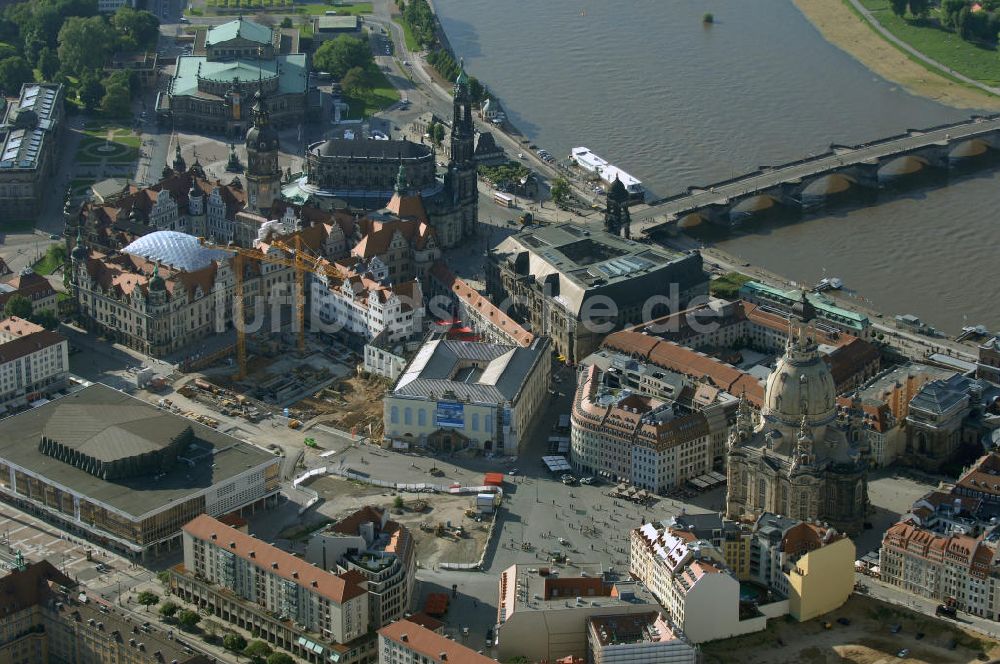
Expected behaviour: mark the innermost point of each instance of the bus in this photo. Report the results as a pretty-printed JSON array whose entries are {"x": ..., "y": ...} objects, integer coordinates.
[{"x": 503, "y": 200}]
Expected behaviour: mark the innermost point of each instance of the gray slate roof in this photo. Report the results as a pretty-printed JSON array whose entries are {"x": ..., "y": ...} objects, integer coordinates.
[{"x": 446, "y": 366}]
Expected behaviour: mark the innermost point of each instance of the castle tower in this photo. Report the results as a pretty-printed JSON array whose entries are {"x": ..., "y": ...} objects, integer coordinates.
[
  {"x": 463, "y": 163},
  {"x": 179, "y": 164},
  {"x": 262, "y": 172},
  {"x": 617, "y": 220}
]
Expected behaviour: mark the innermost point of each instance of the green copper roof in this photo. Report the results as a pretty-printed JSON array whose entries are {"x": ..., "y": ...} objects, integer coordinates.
[
  {"x": 825, "y": 307},
  {"x": 463, "y": 78},
  {"x": 292, "y": 79},
  {"x": 241, "y": 27}
]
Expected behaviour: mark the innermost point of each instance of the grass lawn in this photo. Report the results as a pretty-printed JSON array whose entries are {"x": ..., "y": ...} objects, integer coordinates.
[
  {"x": 975, "y": 61},
  {"x": 381, "y": 96},
  {"x": 46, "y": 266},
  {"x": 319, "y": 9},
  {"x": 96, "y": 135},
  {"x": 412, "y": 44},
  {"x": 728, "y": 285}
]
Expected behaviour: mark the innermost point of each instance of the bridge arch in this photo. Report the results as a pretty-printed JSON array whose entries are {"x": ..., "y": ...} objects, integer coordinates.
[
  {"x": 974, "y": 147},
  {"x": 692, "y": 220},
  {"x": 827, "y": 184},
  {"x": 903, "y": 165}
]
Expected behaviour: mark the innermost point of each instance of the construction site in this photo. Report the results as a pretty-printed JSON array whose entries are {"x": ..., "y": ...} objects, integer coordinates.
[{"x": 445, "y": 527}]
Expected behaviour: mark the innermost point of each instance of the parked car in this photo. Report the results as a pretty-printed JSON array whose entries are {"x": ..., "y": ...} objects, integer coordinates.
[
  {"x": 905, "y": 652},
  {"x": 946, "y": 610},
  {"x": 844, "y": 621}
]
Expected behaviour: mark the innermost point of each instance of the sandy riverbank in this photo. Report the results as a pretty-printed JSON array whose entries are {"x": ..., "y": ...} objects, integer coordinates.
[{"x": 846, "y": 30}]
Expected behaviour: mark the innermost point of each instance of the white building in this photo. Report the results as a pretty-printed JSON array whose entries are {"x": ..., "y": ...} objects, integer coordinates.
[
  {"x": 654, "y": 444},
  {"x": 544, "y": 617},
  {"x": 458, "y": 394},
  {"x": 297, "y": 606},
  {"x": 639, "y": 638},
  {"x": 406, "y": 642},
  {"x": 362, "y": 302},
  {"x": 382, "y": 550},
  {"x": 34, "y": 362}
]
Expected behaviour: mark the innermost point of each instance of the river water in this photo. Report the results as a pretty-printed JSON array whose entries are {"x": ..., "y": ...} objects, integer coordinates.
[{"x": 644, "y": 84}]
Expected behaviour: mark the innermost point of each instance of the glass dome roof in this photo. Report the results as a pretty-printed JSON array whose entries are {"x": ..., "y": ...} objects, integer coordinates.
[{"x": 179, "y": 251}]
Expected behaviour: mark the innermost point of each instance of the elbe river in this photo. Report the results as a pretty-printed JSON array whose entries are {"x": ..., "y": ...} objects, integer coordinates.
[{"x": 645, "y": 85}]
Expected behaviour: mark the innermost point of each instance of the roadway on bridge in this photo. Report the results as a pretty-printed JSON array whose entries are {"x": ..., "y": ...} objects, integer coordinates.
[{"x": 669, "y": 210}]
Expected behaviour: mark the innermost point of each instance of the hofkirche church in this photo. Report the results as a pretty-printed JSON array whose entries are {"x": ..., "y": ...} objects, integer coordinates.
[{"x": 795, "y": 458}]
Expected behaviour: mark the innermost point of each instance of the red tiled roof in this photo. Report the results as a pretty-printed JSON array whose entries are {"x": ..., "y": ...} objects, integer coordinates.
[
  {"x": 338, "y": 588},
  {"x": 492, "y": 314},
  {"x": 435, "y": 647},
  {"x": 26, "y": 345}
]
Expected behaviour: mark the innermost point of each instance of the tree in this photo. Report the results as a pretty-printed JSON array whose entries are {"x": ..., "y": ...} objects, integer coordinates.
[
  {"x": 188, "y": 619},
  {"x": 257, "y": 651},
  {"x": 163, "y": 577},
  {"x": 560, "y": 190},
  {"x": 341, "y": 54},
  {"x": 168, "y": 609},
  {"x": 949, "y": 11},
  {"x": 898, "y": 6},
  {"x": 115, "y": 101},
  {"x": 46, "y": 318},
  {"x": 280, "y": 658},
  {"x": 7, "y": 51},
  {"x": 356, "y": 82},
  {"x": 147, "y": 598},
  {"x": 397, "y": 502},
  {"x": 438, "y": 133},
  {"x": 919, "y": 8},
  {"x": 91, "y": 91},
  {"x": 48, "y": 63},
  {"x": 14, "y": 72},
  {"x": 234, "y": 642},
  {"x": 286, "y": 22},
  {"x": 85, "y": 43},
  {"x": 476, "y": 89},
  {"x": 136, "y": 29},
  {"x": 18, "y": 305}
]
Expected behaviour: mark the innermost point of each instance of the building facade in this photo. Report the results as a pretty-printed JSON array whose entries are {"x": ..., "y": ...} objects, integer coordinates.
[
  {"x": 545, "y": 617},
  {"x": 695, "y": 565},
  {"x": 408, "y": 642},
  {"x": 381, "y": 550},
  {"x": 576, "y": 285},
  {"x": 364, "y": 173},
  {"x": 31, "y": 131},
  {"x": 45, "y": 618},
  {"x": 34, "y": 362},
  {"x": 652, "y": 443},
  {"x": 120, "y": 472},
  {"x": 644, "y": 638},
  {"x": 795, "y": 458},
  {"x": 314, "y": 614},
  {"x": 458, "y": 394},
  {"x": 212, "y": 89}
]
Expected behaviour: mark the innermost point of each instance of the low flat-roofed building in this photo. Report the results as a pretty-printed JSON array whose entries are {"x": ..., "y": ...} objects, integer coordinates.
[
  {"x": 121, "y": 472},
  {"x": 145, "y": 66},
  {"x": 458, "y": 394},
  {"x": 577, "y": 285},
  {"x": 329, "y": 27},
  {"x": 639, "y": 637},
  {"x": 542, "y": 616},
  {"x": 29, "y": 135}
]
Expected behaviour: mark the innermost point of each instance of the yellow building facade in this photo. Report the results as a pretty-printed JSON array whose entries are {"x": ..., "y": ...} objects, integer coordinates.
[{"x": 821, "y": 580}]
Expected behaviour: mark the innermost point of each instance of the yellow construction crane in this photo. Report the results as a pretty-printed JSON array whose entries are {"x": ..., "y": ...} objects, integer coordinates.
[{"x": 297, "y": 262}]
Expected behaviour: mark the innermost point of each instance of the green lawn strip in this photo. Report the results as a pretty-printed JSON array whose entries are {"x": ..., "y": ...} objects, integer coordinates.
[
  {"x": 412, "y": 44},
  {"x": 46, "y": 265},
  {"x": 318, "y": 9},
  {"x": 979, "y": 62},
  {"x": 382, "y": 95}
]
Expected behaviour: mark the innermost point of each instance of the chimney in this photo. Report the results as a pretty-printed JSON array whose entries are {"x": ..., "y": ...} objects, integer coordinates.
[
  {"x": 404, "y": 637},
  {"x": 444, "y": 657}
]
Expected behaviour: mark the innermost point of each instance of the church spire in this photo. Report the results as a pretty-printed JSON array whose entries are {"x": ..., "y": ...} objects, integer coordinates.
[
  {"x": 179, "y": 164},
  {"x": 402, "y": 186}
]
